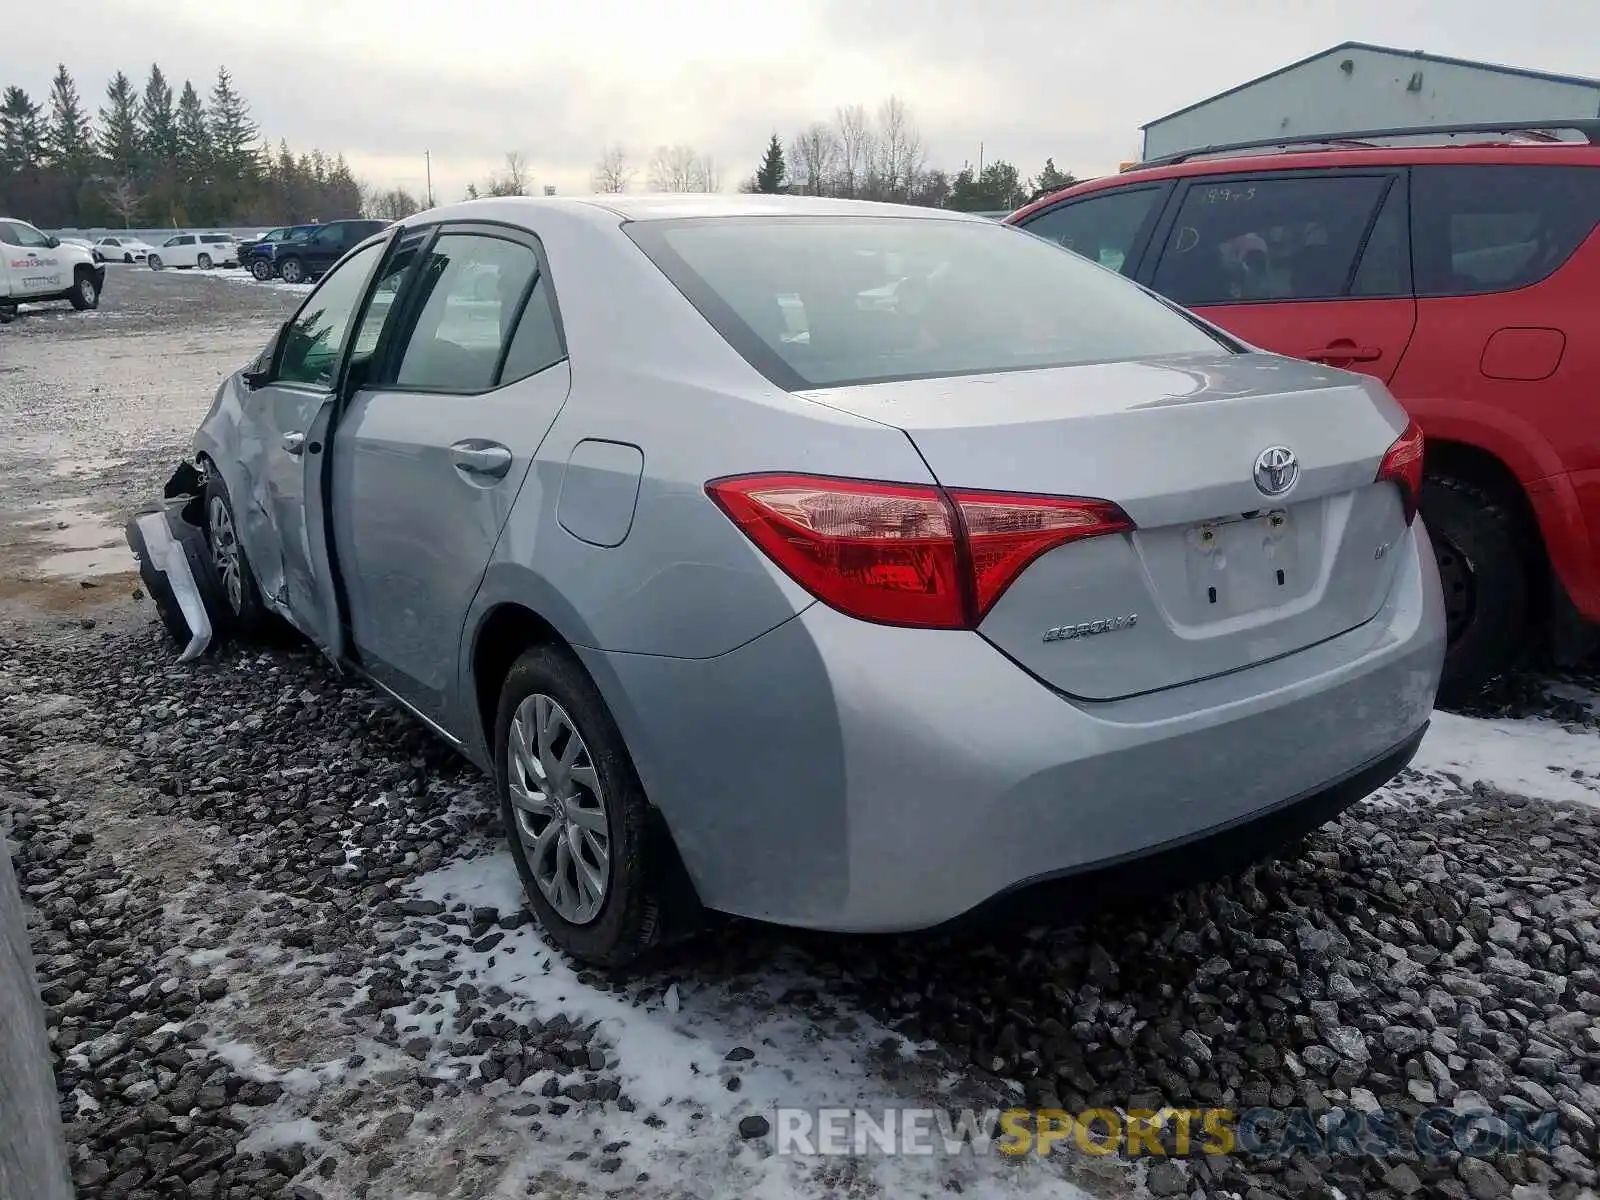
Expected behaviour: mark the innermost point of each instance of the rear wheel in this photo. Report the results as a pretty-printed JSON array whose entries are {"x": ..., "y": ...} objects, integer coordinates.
[
  {"x": 85, "y": 291},
  {"x": 155, "y": 262},
  {"x": 292, "y": 270},
  {"x": 1487, "y": 582},
  {"x": 575, "y": 813}
]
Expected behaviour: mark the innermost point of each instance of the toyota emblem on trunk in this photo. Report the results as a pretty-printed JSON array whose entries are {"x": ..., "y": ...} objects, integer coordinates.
[{"x": 1277, "y": 469}]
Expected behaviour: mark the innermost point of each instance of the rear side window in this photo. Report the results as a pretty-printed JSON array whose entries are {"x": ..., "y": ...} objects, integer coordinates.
[
  {"x": 215, "y": 239},
  {"x": 1284, "y": 238},
  {"x": 536, "y": 344},
  {"x": 832, "y": 301},
  {"x": 473, "y": 288},
  {"x": 1483, "y": 229},
  {"x": 1101, "y": 228}
]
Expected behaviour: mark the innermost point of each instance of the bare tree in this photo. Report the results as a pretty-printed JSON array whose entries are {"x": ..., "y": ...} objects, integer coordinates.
[
  {"x": 124, "y": 199},
  {"x": 613, "y": 173},
  {"x": 514, "y": 182},
  {"x": 899, "y": 151},
  {"x": 855, "y": 149},
  {"x": 705, "y": 175},
  {"x": 395, "y": 204},
  {"x": 813, "y": 156},
  {"x": 673, "y": 168}
]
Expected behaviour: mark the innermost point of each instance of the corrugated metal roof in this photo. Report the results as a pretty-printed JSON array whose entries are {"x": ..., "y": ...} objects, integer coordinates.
[{"x": 1419, "y": 55}]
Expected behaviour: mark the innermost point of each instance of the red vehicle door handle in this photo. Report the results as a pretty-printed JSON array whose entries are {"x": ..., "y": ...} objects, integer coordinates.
[{"x": 1344, "y": 350}]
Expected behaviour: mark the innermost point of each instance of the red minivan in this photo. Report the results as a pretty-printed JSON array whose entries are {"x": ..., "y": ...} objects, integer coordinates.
[{"x": 1466, "y": 276}]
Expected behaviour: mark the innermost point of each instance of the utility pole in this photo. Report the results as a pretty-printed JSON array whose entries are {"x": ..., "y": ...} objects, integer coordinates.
[
  {"x": 427, "y": 157},
  {"x": 980, "y": 160}
]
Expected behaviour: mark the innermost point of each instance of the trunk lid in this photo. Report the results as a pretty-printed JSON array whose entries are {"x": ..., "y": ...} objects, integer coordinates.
[{"x": 1218, "y": 575}]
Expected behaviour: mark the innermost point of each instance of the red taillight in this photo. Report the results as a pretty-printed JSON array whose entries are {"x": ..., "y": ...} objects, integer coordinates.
[
  {"x": 905, "y": 554},
  {"x": 1402, "y": 463}
]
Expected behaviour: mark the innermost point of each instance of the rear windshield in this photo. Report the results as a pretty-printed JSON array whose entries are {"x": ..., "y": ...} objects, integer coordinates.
[{"x": 832, "y": 301}]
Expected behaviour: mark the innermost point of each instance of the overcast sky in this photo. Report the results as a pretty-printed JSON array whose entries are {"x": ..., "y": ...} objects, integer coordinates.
[{"x": 383, "y": 80}]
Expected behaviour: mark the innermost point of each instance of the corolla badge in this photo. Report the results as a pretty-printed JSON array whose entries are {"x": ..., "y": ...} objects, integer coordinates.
[
  {"x": 1067, "y": 633},
  {"x": 1277, "y": 470}
]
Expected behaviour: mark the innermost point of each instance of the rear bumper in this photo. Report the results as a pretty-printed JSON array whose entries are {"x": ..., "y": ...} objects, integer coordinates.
[{"x": 839, "y": 775}]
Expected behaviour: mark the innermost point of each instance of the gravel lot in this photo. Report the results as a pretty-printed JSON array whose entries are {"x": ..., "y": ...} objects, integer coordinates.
[{"x": 283, "y": 955}]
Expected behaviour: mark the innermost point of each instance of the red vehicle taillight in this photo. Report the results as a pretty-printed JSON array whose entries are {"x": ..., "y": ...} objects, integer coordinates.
[
  {"x": 1402, "y": 463},
  {"x": 905, "y": 554}
]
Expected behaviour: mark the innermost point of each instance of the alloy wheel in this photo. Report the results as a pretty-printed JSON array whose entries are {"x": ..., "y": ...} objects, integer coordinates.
[
  {"x": 225, "y": 552},
  {"x": 559, "y": 809},
  {"x": 88, "y": 291},
  {"x": 291, "y": 271}
]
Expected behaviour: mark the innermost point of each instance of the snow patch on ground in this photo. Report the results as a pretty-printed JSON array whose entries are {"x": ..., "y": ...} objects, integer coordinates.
[
  {"x": 673, "y": 1062},
  {"x": 1533, "y": 756}
]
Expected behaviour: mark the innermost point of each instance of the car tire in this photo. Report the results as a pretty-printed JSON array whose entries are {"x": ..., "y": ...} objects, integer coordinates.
[
  {"x": 261, "y": 268},
  {"x": 1487, "y": 581},
  {"x": 128, "y": 258},
  {"x": 85, "y": 290},
  {"x": 245, "y": 614},
  {"x": 628, "y": 918},
  {"x": 203, "y": 261},
  {"x": 154, "y": 262},
  {"x": 292, "y": 270},
  {"x": 8, "y": 313}
]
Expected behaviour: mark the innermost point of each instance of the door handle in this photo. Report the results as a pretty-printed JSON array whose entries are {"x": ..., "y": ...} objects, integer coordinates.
[
  {"x": 474, "y": 457},
  {"x": 1348, "y": 351},
  {"x": 294, "y": 443}
]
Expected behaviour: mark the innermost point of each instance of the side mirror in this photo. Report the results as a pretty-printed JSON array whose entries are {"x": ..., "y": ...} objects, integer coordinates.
[
  {"x": 52, "y": 241},
  {"x": 259, "y": 372}
]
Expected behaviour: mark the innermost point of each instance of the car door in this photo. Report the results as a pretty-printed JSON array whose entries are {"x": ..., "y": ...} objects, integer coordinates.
[
  {"x": 428, "y": 459},
  {"x": 287, "y": 418},
  {"x": 1307, "y": 264},
  {"x": 324, "y": 247},
  {"x": 33, "y": 266}
]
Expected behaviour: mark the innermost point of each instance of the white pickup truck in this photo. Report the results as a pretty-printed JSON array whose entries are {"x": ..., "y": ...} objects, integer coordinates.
[{"x": 35, "y": 267}]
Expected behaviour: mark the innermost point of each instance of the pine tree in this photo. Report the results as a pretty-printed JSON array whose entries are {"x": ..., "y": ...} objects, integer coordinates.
[
  {"x": 233, "y": 133},
  {"x": 772, "y": 173},
  {"x": 193, "y": 137},
  {"x": 1051, "y": 179},
  {"x": 69, "y": 141},
  {"x": 159, "y": 121},
  {"x": 21, "y": 132},
  {"x": 119, "y": 128}
]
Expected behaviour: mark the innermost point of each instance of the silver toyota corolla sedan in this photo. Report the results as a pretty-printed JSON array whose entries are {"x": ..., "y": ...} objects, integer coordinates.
[{"x": 835, "y": 564}]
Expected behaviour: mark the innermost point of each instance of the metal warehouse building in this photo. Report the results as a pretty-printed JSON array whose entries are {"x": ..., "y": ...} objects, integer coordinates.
[{"x": 1355, "y": 86}]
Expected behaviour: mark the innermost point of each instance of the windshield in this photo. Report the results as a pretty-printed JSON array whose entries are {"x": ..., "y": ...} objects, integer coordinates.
[{"x": 832, "y": 301}]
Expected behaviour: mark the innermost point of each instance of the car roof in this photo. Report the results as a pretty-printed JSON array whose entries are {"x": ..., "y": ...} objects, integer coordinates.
[
  {"x": 677, "y": 205},
  {"x": 1320, "y": 158}
]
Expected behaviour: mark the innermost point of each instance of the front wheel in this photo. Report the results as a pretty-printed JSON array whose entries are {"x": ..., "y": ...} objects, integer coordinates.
[
  {"x": 576, "y": 814},
  {"x": 155, "y": 262},
  {"x": 85, "y": 291},
  {"x": 203, "y": 262},
  {"x": 1487, "y": 583},
  {"x": 246, "y": 613},
  {"x": 127, "y": 258},
  {"x": 292, "y": 270},
  {"x": 261, "y": 269}
]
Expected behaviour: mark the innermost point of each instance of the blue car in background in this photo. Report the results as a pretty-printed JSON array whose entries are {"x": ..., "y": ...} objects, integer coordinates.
[{"x": 258, "y": 255}]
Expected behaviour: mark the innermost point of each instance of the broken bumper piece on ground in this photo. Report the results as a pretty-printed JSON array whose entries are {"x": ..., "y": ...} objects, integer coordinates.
[{"x": 175, "y": 564}]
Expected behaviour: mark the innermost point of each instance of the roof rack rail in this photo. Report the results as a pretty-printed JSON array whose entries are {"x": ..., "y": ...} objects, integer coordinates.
[{"x": 1588, "y": 127}]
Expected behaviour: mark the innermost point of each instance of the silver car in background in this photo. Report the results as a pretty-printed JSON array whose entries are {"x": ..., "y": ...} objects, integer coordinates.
[{"x": 834, "y": 564}]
